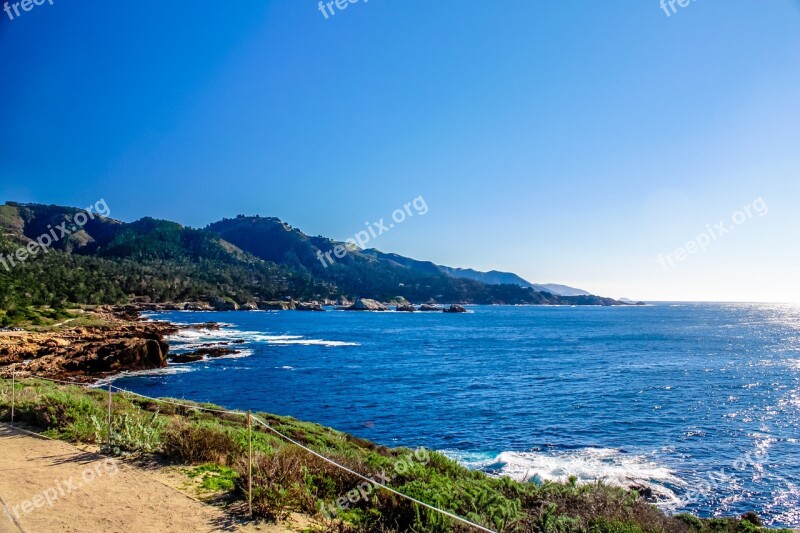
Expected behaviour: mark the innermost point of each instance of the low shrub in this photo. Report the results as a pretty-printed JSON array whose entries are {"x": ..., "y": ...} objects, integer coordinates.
[
  {"x": 133, "y": 430},
  {"x": 68, "y": 415},
  {"x": 194, "y": 443}
]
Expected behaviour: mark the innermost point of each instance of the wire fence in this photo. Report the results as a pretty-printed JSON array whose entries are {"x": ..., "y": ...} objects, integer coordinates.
[{"x": 250, "y": 418}]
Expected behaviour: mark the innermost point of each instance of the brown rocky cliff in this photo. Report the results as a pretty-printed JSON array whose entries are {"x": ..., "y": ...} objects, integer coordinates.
[{"x": 86, "y": 352}]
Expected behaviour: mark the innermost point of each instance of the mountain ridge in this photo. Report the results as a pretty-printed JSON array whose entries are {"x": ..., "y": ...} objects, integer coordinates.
[{"x": 243, "y": 260}]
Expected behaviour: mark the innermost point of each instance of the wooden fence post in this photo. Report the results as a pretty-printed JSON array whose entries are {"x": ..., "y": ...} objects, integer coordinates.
[
  {"x": 109, "y": 415},
  {"x": 13, "y": 392},
  {"x": 250, "y": 465}
]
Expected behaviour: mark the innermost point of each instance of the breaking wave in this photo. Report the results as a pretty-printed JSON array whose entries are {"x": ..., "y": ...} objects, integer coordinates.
[{"x": 588, "y": 465}]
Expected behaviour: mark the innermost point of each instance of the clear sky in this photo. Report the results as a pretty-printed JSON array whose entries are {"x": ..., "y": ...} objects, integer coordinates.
[{"x": 567, "y": 141}]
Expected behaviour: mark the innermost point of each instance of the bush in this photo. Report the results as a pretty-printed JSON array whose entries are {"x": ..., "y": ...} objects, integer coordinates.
[
  {"x": 694, "y": 523},
  {"x": 69, "y": 415},
  {"x": 199, "y": 443},
  {"x": 291, "y": 479},
  {"x": 134, "y": 430}
]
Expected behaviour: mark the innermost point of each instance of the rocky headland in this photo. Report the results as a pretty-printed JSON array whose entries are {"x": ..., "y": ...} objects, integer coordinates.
[{"x": 114, "y": 340}]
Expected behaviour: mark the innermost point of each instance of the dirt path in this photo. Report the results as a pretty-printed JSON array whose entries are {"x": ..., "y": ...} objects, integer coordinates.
[{"x": 49, "y": 486}]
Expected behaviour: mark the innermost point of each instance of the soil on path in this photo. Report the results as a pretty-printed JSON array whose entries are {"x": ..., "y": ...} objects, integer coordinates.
[{"x": 48, "y": 485}]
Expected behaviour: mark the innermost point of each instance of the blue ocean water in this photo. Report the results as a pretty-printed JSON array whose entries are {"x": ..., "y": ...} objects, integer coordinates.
[{"x": 699, "y": 401}]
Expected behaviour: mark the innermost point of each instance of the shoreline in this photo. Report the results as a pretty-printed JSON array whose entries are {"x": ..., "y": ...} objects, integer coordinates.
[
  {"x": 185, "y": 434},
  {"x": 106, "y": 341},
  {"x": 138, "y": 328},
  {"x": 101, "y": 343}
]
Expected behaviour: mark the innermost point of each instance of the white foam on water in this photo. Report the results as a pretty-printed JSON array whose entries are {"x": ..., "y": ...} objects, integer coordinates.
[
  {"x": 588, "y": 465},
  {"x": 273, "y": 338},
  {"x": 312, "y": 342},
  {"x": 192, "y": 339},
  {"x": 299, "y": 340},
  {"x": 189, "y": 334}
]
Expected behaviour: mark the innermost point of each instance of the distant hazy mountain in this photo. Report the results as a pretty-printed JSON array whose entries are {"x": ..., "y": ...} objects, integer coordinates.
[
  {"x": 631, "y": 302},
  {"x": 561, "y": 290},
  {"x": 495, "y": 277}
]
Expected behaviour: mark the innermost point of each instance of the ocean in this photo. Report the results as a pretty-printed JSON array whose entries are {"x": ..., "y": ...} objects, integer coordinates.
[{"x": 700, "y": 402}]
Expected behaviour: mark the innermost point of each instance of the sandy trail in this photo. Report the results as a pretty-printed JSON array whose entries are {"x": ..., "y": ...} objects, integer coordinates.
[{"x": 49, "y": 486}]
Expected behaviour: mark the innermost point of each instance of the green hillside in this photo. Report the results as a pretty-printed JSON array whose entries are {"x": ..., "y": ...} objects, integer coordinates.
[{"x": 246, "y": 259}]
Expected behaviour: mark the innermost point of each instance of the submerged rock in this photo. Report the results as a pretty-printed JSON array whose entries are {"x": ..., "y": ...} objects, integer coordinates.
[
  {"x": 430, "y": 307},
  {"x": 185, "y": 358},
  {"x": 645, "y": 492},
  {"x": 216, "y": 351},
  {"x": 455, "y": 308},
  {"x": 211, "y": 326}
]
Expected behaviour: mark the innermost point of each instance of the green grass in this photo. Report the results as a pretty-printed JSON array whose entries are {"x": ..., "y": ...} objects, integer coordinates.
[
  {"x": 29, "y": 317},
  {"x": 213, "y": 446},
  {"x": 214, "y": 477},
  {"x": 44, "y": 319}
]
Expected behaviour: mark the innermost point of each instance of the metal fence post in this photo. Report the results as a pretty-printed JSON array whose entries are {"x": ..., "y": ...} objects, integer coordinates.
[{"x": 250, "y": 464}]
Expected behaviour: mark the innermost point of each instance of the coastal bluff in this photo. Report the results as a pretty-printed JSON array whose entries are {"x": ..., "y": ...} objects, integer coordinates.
[{"x": 112, "y": 342}]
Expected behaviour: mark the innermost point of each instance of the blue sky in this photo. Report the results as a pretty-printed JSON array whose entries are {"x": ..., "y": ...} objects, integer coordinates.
[{"x": 569, "y": 142}]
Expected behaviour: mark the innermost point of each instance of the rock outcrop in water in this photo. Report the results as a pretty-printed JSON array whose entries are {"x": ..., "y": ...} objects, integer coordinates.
[
  {"x": 84, "y": 352},
  {"x": 115, "y": 346},
  {"x": 311, "y": 306},
  {"x": 276, "y": 306},
  {"x": 365, "y": 304},
  {"x": 210, "y": 352}
]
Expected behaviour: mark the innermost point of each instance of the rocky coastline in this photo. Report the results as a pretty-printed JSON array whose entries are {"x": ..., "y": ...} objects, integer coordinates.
[
  {"x": 360, "y": 304},
  {"x": 119, "y": 340}
]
